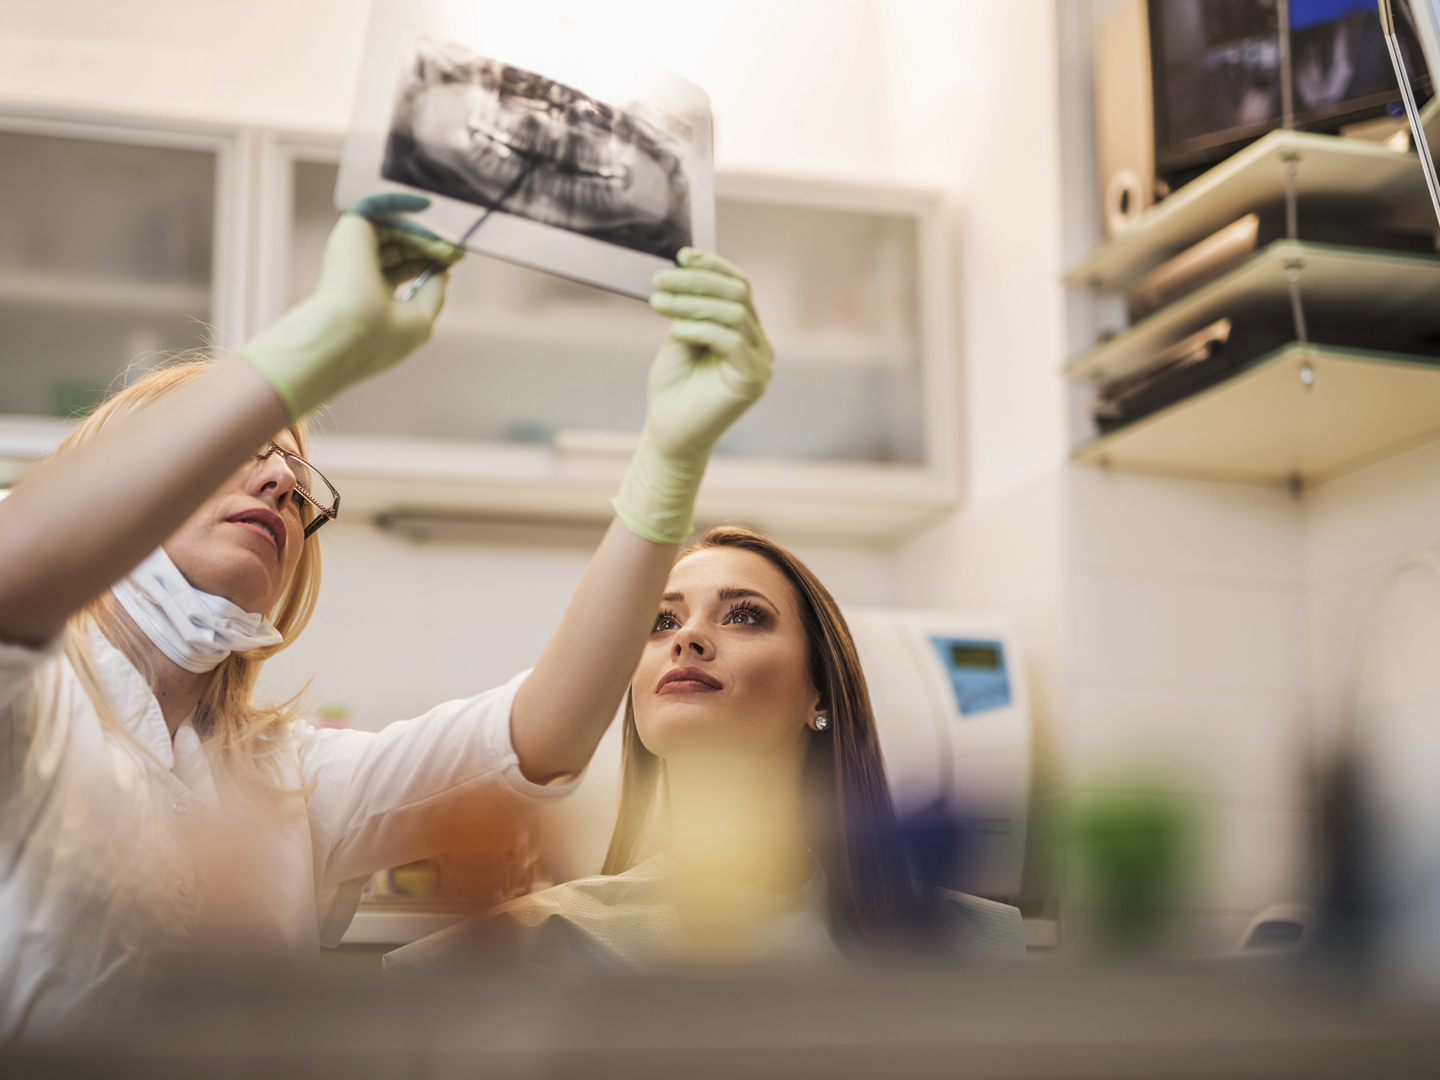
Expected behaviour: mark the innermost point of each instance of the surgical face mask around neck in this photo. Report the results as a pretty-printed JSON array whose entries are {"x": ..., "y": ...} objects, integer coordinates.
[{"x": 195, "y": 629}]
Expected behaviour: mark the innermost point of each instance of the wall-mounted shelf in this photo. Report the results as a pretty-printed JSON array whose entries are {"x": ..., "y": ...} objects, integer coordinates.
[
  {"x": 1265, "y": 426},
  {"x": 1328, "y": 165},
  {"x": 378, "y": 475},
  {"x": 1402, "y": 291},
  {"x": 67, "y": 292}
]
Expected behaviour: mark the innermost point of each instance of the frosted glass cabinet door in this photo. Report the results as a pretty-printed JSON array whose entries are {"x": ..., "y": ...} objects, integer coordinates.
[
  {"x": 838, "y": 292},
  {"x": 106, "y": 256},
  {"x": 524, "y": 357},
  {"x": 517, "y": 355}
]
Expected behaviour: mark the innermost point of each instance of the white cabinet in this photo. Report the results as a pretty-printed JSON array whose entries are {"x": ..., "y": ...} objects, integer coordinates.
[
  {"x": 115, "y": 248},
  {"x": 532, "y": 390}
]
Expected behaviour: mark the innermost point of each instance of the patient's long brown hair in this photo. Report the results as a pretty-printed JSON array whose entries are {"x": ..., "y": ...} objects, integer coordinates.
[{"x": 852, "y": 827}]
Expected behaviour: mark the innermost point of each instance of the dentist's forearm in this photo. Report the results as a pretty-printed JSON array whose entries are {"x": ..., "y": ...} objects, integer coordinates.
[
  {"x": 563, "y": 709},
  {"x": 81, "y": 521}
]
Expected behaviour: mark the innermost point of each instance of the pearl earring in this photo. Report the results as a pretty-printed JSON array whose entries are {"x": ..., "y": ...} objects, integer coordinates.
[{"x": 821, "y": 723}]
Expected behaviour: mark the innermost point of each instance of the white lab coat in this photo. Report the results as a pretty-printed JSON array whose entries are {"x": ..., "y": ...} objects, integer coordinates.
[{"x": 98, "y": 871}]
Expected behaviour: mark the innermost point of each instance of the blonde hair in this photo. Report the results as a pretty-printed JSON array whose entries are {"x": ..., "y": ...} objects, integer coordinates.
[{"x": 245, "y": 740}]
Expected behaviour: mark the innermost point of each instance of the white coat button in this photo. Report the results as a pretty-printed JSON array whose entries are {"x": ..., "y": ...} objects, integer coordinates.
[{"x": 181, "y": 808}]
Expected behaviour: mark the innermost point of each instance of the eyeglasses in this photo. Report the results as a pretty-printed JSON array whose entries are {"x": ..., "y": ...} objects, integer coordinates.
[{"x": 310, "y": 485}]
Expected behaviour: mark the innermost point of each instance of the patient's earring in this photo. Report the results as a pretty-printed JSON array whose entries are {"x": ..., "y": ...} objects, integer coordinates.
[{"x": 821, "y": 723}]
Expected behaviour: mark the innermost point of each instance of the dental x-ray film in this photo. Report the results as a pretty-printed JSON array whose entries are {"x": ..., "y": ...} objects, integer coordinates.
[{"x": 523, "y": 164}]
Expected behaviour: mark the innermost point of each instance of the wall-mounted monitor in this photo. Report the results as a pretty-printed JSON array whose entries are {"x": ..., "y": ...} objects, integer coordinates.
[{"x": 1216, "y": 71}]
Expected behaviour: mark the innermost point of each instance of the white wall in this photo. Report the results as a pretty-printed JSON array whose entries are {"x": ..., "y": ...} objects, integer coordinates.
[
  {"x": 401, "y": 626},
  {"x": 824, "y": 87},
  {"x": 1189, "y": 679},
  {"x": 262, "y": 61},
  {"x": 1357, "y": 525}
]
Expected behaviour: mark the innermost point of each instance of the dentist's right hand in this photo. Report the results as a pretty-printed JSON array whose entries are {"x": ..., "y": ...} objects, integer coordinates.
[
  {"x": 715, "y": 363},
  {"x": 353, "y": 326}
]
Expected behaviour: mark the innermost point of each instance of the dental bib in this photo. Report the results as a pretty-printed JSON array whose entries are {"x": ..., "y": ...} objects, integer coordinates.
[{"x": 195, "y": 629}]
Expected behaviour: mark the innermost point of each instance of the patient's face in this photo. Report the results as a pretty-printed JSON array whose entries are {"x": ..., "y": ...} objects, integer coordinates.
[{"x": 725, "y": 667}]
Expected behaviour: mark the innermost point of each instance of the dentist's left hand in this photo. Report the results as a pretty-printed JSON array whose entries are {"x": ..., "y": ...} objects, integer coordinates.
[
  {"x": 714, "y": 364},
  {"x": 353, "y": 326}
]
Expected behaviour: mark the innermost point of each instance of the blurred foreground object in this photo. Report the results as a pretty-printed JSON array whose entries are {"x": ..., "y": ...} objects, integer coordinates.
[
  {"x": 1278, "y": 927},
  {"x": 1381, "y": 805},
  {"x": 1131, "y": 852},
  {"x": 1050, "y": 1019}
]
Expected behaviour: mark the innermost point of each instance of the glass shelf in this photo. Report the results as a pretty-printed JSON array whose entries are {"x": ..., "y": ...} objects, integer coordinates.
[
  {"x": 1394, "y": 293},
  {"x": 1387, "y": 182},
  {"x": 1268, "y": 425}
]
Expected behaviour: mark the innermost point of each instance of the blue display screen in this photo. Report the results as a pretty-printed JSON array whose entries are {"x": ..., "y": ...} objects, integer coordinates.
[
  {"x": 977, "y": 673},
  {"x": 1305, "y": 13}
]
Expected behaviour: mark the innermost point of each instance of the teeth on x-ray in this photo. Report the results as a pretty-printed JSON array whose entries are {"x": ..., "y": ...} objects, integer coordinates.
[{"x": 468, "y": 127}]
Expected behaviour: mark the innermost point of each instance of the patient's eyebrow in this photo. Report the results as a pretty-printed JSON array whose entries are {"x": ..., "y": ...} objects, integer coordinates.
[
  {"x": 729, "y": 592},
  {"x": 736, "y": 592}
]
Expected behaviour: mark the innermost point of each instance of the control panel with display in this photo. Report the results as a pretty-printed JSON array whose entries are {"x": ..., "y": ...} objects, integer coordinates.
[
  {"x": 954, "y": 726},
  {"x": 977, "y": 673}
]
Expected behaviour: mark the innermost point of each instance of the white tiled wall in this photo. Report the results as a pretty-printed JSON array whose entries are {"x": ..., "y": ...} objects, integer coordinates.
[
  {"x": 1211, "y": 639},
  {"x": 401, "y": 626},
  {"x": 1188, "y": 677}
]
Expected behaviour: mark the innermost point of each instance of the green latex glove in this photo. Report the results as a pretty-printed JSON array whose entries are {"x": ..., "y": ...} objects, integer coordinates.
[
  {"x": 353, "y": 326},
  {"x": 714, "y": 365}
]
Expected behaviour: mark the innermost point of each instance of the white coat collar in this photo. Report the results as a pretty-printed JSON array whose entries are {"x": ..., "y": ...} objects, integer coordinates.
[{"x": 130, "y": 695}]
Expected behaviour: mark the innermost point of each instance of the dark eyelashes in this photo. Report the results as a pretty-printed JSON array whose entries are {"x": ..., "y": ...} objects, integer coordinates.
[
  {"x": 757, "y": 616},
  {"x": 746, "y": 608}
]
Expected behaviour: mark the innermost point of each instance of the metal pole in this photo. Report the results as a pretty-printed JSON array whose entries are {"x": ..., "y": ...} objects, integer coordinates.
[
  {"x": 1422, "y": 146},
  {"x": 1287, "y": 91}
]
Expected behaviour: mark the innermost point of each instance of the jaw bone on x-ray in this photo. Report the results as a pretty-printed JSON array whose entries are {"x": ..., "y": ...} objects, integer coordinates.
[
  {"x": 596, "y": 192},
  {"x": 474, "y": 129}
]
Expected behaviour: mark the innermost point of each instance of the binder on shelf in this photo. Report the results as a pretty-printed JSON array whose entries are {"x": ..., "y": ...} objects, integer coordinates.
[
  {"x": 1234, "y": 343},
  {"x": 1229, "y": 246},
  {"x": 1198, "y": 362}
]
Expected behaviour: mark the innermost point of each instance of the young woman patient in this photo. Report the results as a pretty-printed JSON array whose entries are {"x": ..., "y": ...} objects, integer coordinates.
[{"x": 755, "y": 821}]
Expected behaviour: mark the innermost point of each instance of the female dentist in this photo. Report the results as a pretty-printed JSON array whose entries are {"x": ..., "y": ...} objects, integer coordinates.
[{"x": 140, "y": 567}]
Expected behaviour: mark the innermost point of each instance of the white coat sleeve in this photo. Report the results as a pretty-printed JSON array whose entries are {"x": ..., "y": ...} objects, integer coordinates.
[{"x": 386, "y": 798}]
